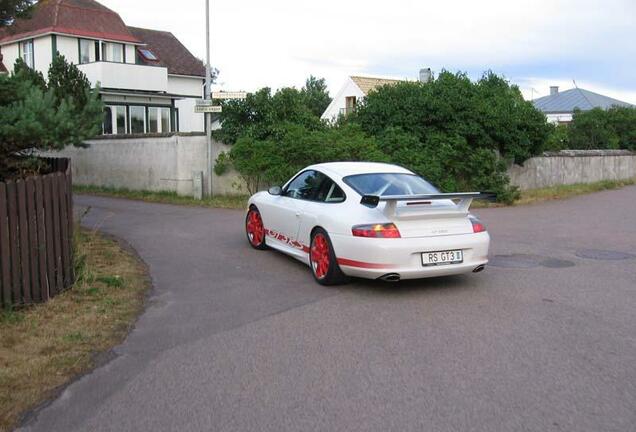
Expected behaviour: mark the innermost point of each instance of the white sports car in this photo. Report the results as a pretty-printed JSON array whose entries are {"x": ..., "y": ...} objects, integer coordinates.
[{"x": 369, "y": 220}]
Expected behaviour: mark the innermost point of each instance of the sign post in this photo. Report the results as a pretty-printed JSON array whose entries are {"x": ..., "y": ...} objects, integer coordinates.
[{"x": 208, "y": 88}]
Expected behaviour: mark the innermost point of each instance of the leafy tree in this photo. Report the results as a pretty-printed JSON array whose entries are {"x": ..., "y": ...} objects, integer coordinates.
[
  {"x": 315, "y": 95},
  {"x": 261, "y": 114},
  {"x": 558, "y": 138},
  {"x": 12, "y": 9},
  {"x": 446, "y": 128},
  {"x": 35, "y": 114},
  {"x": 603, "y": 129},
  {"x": 273, "y": 161}
]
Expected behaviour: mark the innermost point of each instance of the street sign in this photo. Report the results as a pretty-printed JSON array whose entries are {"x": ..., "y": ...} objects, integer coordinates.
[
  {"x": 205, "y": 108},
  {"x": 228, "y": 95},
  {"x": 205, "y": 102}
]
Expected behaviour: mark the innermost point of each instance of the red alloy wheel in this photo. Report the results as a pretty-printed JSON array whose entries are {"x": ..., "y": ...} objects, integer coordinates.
[
  {"x": 320, "y": 256},
  {"x": 254, "y": 227}
]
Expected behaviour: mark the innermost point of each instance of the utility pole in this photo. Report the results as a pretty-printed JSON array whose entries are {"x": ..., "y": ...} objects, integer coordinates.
[{"x": 207, "y": 96}]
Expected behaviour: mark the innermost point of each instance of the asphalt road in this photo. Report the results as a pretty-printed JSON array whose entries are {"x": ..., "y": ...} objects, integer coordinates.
[{"x": 235, "y": 339}]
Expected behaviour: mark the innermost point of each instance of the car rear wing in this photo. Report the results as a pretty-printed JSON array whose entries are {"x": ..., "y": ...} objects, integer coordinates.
[{"x": 464, "y": 200}]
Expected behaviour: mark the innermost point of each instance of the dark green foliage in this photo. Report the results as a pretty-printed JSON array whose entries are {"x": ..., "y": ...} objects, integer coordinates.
[
  {"x": 12, "y": 9},
  {"x": 558, "y": 138},
  {"x": 37, "y": 115},
  {"x": 456, "y": 133},
  {"x": 273, "y": 161},
  {"x": 316, "y": 96},
  {"x": 261, "y": 114},
  {"x": 614, "y": 128}
]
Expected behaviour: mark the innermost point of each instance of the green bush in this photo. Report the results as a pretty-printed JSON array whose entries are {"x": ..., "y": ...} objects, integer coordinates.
[
  {"x": 36, "y": 114},
  {"x": 614, "y": 128},
  {"x": 269, "y": 162}
]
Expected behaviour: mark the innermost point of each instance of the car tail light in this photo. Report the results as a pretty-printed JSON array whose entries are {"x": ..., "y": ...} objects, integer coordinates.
[
  {"x": 478, "y": 226},
  {"x": 387, "y": 230}
]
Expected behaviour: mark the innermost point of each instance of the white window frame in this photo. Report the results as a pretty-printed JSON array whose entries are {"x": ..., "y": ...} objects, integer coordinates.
[
  {"x": 28, "y": 55},
  {"x": 108, "y": 52},
  {"x": 130, "y": 110},
  {"x": 89, "y": 44},
  {"x": 159, "y": 111}
]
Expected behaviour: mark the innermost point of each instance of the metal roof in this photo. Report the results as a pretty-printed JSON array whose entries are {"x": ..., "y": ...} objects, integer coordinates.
[{"x": 567, "y": 101}]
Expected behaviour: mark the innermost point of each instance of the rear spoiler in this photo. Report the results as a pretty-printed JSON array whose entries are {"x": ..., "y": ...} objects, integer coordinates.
[{"x": 465, "y": 199}]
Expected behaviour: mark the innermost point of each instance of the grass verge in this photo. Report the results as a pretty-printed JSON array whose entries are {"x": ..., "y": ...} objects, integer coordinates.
[
  {"x": 45, "y": 346},
  {"x": 560, "y": 192},
  {"x": 165, "y": 197}
]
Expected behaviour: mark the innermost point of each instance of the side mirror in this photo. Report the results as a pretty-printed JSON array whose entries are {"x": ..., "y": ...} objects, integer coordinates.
[{"x": 275, "y": 190}]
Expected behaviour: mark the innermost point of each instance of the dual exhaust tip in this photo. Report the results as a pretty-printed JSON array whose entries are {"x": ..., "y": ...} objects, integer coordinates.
[{"x": 395, "y": 277}]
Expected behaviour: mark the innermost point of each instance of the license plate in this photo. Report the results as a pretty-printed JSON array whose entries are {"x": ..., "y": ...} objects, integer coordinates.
[{"x": 442, "y": 257}]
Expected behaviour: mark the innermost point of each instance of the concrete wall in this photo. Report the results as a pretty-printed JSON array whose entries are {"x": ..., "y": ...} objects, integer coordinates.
[
  {"x": 155, "y": 163},
  {"x": 573, "y": 166}
]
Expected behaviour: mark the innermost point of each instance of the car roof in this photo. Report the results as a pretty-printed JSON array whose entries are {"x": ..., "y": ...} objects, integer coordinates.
[{"x": 343, "y": 169}]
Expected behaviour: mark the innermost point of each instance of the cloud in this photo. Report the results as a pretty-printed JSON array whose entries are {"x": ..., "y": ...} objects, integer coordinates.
[{"x": 280, "y": 42}]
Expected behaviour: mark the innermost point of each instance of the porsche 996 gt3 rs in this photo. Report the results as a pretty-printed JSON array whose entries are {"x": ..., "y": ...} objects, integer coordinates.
[{"x": 368, "y": 220}]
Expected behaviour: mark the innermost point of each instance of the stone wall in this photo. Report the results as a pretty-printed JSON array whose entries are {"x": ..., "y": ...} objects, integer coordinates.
[
  {"x": 573, "y": 166},
  {"x": 162, "y": 162}
]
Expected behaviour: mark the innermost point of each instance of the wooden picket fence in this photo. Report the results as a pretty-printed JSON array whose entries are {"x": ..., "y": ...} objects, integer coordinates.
[{"x": 36, "y": 236}]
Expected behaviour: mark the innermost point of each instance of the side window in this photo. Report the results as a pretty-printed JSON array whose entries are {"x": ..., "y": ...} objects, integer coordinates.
[
  {"x": 330, "y": 192},
  {"x": 305, "y": 186}
]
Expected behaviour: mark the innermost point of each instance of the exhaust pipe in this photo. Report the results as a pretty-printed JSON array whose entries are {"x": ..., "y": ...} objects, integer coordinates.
[
  {"x": 390, "y": 277},
  {"x": 479, "y": 268}
]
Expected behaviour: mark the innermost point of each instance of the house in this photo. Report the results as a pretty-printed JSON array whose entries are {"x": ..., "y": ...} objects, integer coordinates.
[
  {"x": 356, "y": 88},
  {"x": 148, "y": 80},
  {"x": 559, "y": 106}
]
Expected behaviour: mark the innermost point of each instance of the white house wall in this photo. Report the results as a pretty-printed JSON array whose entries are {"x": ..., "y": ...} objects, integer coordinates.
[
  {"x": 185, "y": 86},
  {"x": 189, "y": 121},
  {"x": 10, "y": 54},
  {"x": 339, "y": 102},
  {"x": 559, "y": 117},
  {"x": 43, "y": 54},
  {"x": 67, "y": 46}
]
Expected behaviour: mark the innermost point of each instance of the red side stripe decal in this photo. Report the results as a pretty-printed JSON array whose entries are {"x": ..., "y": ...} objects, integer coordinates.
[{"x": 360, "y": 264}]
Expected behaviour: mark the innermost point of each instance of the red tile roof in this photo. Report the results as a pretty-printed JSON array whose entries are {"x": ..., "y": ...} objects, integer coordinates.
[
  {"x": 86, "y": 18},
  {"x": 170, "y": 52}
]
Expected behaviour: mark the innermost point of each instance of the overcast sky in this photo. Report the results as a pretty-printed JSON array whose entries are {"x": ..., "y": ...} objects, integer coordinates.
[{"x": 279, "y": 43}]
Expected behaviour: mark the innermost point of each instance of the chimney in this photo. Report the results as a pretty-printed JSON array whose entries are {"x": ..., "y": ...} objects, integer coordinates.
[
  {"x": 554, "y": 90},
  {"x": 426, "y": 75}
]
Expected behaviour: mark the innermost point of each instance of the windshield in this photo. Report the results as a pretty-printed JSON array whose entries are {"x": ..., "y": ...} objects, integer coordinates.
[{"x": 381, "y": 184}]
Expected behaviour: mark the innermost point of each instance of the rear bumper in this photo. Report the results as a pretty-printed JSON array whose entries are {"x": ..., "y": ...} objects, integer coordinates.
[{"x": 372, "y": 258}]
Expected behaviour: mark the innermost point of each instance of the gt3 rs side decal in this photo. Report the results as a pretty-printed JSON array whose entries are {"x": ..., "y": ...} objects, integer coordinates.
[
  {"x": 284, "y": 239},
  {"x": 341, "y": 261}
]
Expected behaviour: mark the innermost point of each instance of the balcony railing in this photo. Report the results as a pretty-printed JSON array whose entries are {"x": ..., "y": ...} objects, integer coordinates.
[
  {"x": 346, "y": 111},
  {"x": 126, "y": 76}
]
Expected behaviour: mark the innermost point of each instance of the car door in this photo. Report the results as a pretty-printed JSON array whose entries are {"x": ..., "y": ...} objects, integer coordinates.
[
  {"x": 321, "y": 210},
  {"x": 286, "y": 209}
]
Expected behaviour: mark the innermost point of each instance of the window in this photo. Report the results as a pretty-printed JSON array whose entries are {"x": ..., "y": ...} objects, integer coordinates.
[
  {"x": 330, "y": 192},
  {"x": 146, "y": 54},
  {"x": 158, "y": 119},
  {"x": 137, "y": 119},
  {"x": 305, "y": 186},
  {"x": 108, "y": 121},
  {"x": 84, "y": 51},
  {"x": 120, "y": 114},
  {"x": 389, "y": 184},
  {"x": 113, "y": 52},
  {"x": 26, "y": 48}
]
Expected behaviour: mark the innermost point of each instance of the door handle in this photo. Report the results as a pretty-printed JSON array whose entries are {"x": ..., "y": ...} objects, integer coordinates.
[{"x": 298, "y": 214}]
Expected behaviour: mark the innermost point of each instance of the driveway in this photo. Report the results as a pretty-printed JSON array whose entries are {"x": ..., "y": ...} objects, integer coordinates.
[{"x": 235, "y": 339}]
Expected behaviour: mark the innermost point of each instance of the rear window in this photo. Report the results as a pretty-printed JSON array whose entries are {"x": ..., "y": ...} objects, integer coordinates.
[{"x": 381, "y": 184}]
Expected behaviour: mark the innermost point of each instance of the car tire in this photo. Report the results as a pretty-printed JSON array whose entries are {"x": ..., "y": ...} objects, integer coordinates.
[
  {"x": 322, "y": 260},
  {"x": 254, "y": 229}
]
